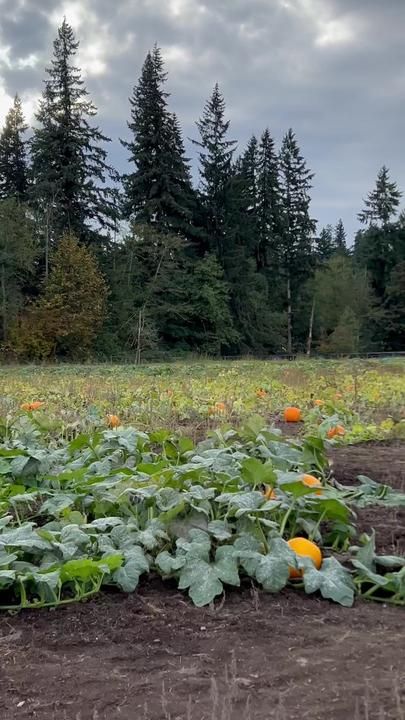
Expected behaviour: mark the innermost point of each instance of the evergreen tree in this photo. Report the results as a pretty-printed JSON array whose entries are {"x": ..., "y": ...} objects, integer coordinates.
[
  {"x": 297, "y": 225},
  {"x": 17, "y": 257},
  {"x": 268, "y": 205},
  {"x": 381, "y": 203},
  {"x": 325, "y": 244},
  {"x": 13, "y": 156},
  {"x": 158, "y": 191},
  {"x": 69, "y": 163},
  {"x": 340, "y": 238},
  {"x": 215, "y": 157},
  {"x": 394, "y": 309}
]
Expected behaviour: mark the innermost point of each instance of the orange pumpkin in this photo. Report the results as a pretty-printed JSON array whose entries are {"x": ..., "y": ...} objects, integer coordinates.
[
  {"x": 292, "y": 414},
  {"x": 220, "y": 407},
  {"x": 305, "y": 548},
  {"x": 336, "y": 430},
  {"x": 113, "y": 421},
  {"x": 30, "y": 407},
  {"x": 312, "y": 481}
]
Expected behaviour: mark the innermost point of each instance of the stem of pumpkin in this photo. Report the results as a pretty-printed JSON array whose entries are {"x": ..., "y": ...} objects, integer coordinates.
[{"x": 285, "y": 519}]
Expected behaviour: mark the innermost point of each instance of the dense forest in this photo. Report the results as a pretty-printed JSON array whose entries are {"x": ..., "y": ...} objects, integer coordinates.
[{"x": 96, "y": 264}]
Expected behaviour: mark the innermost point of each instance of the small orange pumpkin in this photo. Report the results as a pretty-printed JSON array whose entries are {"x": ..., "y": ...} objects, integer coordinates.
[
  {"x": 292, "y": 414},
  {"x": 336, "y": 430},
  {"x": 220, "y": 407},
  {"x": 30, "y": 407},
  {"x": 312, "y": 481},
  {"x": 305, "y": 548},
  {"x": 113, "y": 421}
]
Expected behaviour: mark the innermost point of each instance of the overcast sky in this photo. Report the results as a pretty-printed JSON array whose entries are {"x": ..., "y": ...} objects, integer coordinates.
[{"x": 333, "y": 70}]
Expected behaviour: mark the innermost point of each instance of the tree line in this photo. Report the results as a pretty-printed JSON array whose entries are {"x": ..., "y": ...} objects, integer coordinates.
[{"x": 98, "y": 264}]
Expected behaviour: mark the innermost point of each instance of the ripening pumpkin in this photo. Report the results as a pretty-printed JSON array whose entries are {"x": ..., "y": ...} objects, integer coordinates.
[
  {"x": 336, "y": 430},
  {"x": 220, "y": 407},
  {"x": 312, "y": 481},
  {"x": 292, "y": 414},
  {"x": 29, "y": 407},
  {"x": 36, "y": 405},
  {"x": 305, "y": 548},
  {"x": 113, "y": 421}
]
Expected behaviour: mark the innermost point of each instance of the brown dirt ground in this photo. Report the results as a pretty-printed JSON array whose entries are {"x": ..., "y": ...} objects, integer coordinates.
[{"x": 153, "y": 656}]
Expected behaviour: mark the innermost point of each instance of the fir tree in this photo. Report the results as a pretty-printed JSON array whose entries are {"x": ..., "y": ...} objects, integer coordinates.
[
  {"x": 340, "y": 238},
  {"x": 381, "y": 203},
  {"x": 69, "y": 162},
  {"x": 158, "y": 191},
  {"x": 325, "y": 244},
  {"x": 13, "y": 158},
  {"x": 298, "y": 227},
  {"x": 268, "y": 205},
  {"x": 215, "y": 157}
]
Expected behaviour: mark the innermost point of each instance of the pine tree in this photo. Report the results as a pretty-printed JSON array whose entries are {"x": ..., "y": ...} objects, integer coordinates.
[
  {"x": 13, "y": 157},
  {"x": 381, "y": 203},
  {"x": 17, "y": 257},
  {"x": 215, "y": 157},
  {"x": 268, "y": 205},
  {"x": 69, "y": 162},
  {"x": 325, "y": 244},
  {"x": 340, "y": 238},
  {"x": 298, "y": 227},
  {"x": 158, "y": 191}
]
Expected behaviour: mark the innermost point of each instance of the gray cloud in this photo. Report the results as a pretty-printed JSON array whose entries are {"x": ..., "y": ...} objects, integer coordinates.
[{"x": 333, "y": 70}]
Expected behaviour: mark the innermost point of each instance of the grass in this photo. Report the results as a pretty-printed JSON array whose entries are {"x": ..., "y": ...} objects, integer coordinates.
[{"x": 184, "y": 396}]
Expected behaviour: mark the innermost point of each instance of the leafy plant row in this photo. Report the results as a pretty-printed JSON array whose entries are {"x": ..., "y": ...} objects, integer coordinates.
[{"x": 111, "y": 506}]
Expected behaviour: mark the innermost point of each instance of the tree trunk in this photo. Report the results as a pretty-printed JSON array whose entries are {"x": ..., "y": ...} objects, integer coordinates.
[
  {"x": 47, "y": 246},
  {"x": 4, "y": 303},
  {"x": 139, "y": 337},
  {"x": 289, "y": 317},
  {"x": 311, "y": 328}
]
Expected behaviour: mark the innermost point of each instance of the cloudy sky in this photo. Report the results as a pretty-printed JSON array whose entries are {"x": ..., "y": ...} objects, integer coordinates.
[{"x": 333, "y": 70}]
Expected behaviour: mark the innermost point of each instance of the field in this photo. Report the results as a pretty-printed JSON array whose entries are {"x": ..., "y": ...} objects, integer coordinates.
[{"x": 146, "y": 568}]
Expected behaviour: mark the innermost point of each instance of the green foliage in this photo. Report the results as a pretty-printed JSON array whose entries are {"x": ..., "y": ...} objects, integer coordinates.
[
  {"x": 106, "y": 508},
  {"x": 13, "y": 155},
  {"x": 17, "y": 256},
  {"x": 68, "y": 315},
  {"x": 69, "y": 165}
]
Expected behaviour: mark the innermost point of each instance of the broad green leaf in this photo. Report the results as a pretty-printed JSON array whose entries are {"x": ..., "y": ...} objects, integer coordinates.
[
  {"x": 226, "y": 565},
  {"x": 219, "y": 529},
  {"x": 332, "y": 580},
  {"x": 272, "y": 571},
  {"x": 7, "y": 577},
  {"x": 6, "y": 558},
  {"x": 167, "y": 498},
  {"x": 127, "y": 576},
  {"x": 168, "y": 564},
  {"x": 256, "y": 473},
  {"x": 56, "y": 504},
  {"x": 201, "y": 578}
]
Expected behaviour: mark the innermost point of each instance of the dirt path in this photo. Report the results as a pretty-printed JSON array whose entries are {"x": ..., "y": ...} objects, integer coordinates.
[{"x": 152, "y": 656}]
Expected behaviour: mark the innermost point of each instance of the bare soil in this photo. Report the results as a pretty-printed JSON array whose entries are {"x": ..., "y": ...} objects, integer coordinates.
[{"x": 153, "y": 656}]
